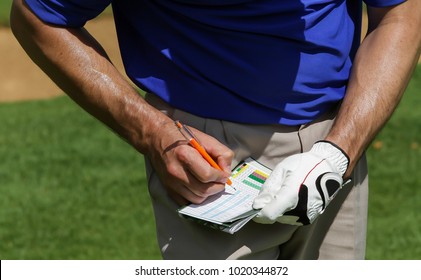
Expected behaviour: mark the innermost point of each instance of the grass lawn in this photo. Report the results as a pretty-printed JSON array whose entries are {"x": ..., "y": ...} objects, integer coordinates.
[
  {"x": 4, "y": 12},
  {"x": 394, "y": 229},
  {"x": 70, "y": 189}
]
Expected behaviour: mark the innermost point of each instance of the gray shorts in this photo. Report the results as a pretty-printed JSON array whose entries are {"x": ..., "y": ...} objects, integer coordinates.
[{"x": 339, "y": 233}]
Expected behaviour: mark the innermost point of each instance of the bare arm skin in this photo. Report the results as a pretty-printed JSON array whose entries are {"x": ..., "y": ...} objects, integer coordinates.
[
  {"x": 76, "y": 62},
  {"x": 380, "y": 75}
]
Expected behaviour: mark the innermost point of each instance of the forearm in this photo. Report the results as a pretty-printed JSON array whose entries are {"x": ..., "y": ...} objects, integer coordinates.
[
  {"x": 77, "y": 63},
  {"x": 80, "y": 67},
  {"x": 380, "y": 74}
]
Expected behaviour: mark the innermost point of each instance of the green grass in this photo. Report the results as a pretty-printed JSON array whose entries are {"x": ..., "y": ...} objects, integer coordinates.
[
  {"x": 395, "y": 180},
  {"x": 5, "y": 6},
  {"x": 70, "y": 189}
]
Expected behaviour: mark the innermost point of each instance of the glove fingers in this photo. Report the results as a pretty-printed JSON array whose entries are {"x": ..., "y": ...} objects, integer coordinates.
[
  {"x": 275, "y": 180},
  {"x": 270, "y": 187},
  {"x": 274, "y": 209},
  {"x": 262, "y": 200}
]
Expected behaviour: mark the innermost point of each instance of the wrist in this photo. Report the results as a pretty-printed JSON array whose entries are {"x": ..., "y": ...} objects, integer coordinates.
[{"x": 334, "y": 154}]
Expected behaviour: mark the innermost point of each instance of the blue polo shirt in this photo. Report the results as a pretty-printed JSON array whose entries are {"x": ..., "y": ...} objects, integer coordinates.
[{"x": 249, "y": 61}]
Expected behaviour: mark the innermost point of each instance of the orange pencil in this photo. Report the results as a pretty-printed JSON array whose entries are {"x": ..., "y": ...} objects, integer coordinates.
[{"x": 188, "y": 134}]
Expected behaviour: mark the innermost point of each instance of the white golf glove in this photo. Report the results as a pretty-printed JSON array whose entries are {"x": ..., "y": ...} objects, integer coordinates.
[{"x": 301, "y": 186}]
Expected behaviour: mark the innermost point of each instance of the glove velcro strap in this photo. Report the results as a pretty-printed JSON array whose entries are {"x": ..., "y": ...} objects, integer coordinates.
[
  {"x": 334, "y": 154},
  {"x": 328, "y": 185}
]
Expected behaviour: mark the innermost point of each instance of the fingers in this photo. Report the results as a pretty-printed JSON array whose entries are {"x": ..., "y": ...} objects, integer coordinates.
[
  {"x": 189, "y": 176},
  {"x": 219, "y": 152},
  {"x": 193, "y": 163},
  {"x": 194, "y": 193},
  {"x": 273, "y": 201},
  {"x": 276, "y": 179},
  {"x": 183, "y": 171},
  {"x": 271, "y": 187},
  {"x": 274, "y": 209},
  {"x": 276, "y": 197},
  {"x": 184, "y": 183}
]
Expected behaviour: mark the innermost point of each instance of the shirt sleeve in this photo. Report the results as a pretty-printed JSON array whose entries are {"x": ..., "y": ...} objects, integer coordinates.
[
  {"x": 69, "y": 13},
  {"x": 383, "y": 3}
]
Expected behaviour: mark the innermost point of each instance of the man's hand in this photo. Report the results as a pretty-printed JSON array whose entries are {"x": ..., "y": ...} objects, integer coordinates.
[
  {"x": 300, "y": 188},
  {"x": 186, "y": 175}
]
